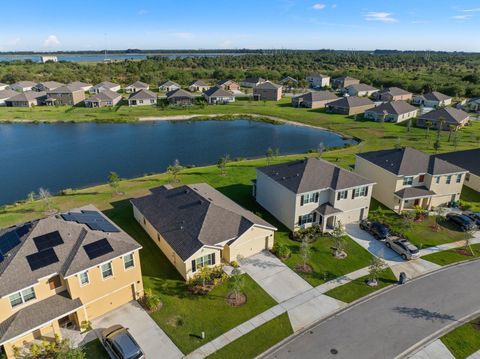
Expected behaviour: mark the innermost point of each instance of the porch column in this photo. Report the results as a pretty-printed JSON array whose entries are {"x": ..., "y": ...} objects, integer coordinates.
[
  {"x": 400, "y": 209},
  {"x": 56, "y": 329},
  {"x": 324, "y": 223}
]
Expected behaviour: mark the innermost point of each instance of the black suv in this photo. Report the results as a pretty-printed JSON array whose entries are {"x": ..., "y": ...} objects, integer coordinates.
[
  {"x": 463, "y": 222},
  {"x": 474, "y": 216},
  {"x": 376, "y": 229}
]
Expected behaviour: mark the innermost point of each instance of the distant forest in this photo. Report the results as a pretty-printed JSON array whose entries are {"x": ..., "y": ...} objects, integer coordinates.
[{"x": 455, "y": 74}]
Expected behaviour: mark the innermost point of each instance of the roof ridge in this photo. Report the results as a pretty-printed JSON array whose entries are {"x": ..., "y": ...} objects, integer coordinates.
[{"x": 74, "y": 251}]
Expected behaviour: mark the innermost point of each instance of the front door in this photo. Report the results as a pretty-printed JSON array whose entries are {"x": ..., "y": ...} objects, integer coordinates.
[{"x": 417, "y": 202}]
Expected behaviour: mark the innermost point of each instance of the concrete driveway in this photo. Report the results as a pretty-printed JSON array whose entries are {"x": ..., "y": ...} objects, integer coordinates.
[{"x": 154, "y": 342}]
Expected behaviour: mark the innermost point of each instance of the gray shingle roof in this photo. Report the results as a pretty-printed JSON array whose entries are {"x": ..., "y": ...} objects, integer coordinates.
[
  {"x": 436, "y": 96},
  {"x": 467, "y": 159},
  {"x": 189, "y": 217},
  {"x": 351, "y": 101},
  {"x": 143, "y": 95},
  {"x": 414, "y": 192},
  {"x": 345, "y": 78},
  {"x": 139, "y": 85},
  {"x": 27, "y": 96},
  {"x": 217, "y": 92},
  {"x": 226, "y": 82},
  {"x": 79, "y": 84},
  {"x": 254, "y": 79},
  {"x": 199, "y": 83},
  {"x": 409, "y": 161},
  {"x": 179, "y": 93},
  {"x": 362, "y": 87},
  {"x": 313, "y": 174},
  {"x": 24, "y": 84},
  {"x": 327, "y": 209},
  {"x": 394, "y": 91},
  {"x": 104, "y": 96},
  {"x": 394, "y": 107},
  {"x": 65, "y": 89},
  {"x": 5, "y": 94},
  {"x": 451, "y": 115},
  {"x": 315, "y": 96},
  {"x": 169, "y": 83},
  {"x": 51, "y": 84},
  {"x": 268, "y": 85},
  {"x": 106, "y": 84}
]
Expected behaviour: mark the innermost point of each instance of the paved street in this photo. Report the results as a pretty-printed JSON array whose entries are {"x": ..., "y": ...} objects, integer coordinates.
[{"x": 391, "y": 323}]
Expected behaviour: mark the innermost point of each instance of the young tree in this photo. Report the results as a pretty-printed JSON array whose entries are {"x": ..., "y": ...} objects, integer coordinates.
[
  {"x": 269, "y": 155},
  {"x": 305, "y": 251},
  {"x": 451, "y": 129},
  {"x": 428, "y": 124},
  {"x": 437, "y": 145},
  {"x": 469, "y": 235},
  {"x": 237, "y": 283},
  {"x": 174, "y": 170},
  {"x": 377, "y": 265},
  {"x": 338, "y": 235},
  {"x": 222, "y": 163},
  {"x": 46, "y": 198},
  {"x": 114, "y": 181},
  {"x": 277, "y": 152},
  {"x": 407, "y": 219},
  {"x": 320, "y": 149},
  {"x": 409, "y": 125}
]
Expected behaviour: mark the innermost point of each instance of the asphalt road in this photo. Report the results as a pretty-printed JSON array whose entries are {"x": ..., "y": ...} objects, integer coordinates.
[{"x": 391, "y": 323}]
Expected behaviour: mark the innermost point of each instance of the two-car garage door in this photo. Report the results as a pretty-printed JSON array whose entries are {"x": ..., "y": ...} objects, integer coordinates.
[{"x": 110, "y": 302}]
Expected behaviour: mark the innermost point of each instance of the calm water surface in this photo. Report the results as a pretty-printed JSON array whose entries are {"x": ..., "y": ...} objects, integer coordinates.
[{"x": 59, "y": 156}]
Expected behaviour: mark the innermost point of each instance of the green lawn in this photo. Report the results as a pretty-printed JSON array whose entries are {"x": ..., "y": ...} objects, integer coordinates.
[
  {"x": 95, "y": 350},
  {"x": 470, "y": 198},
  {"x": 453, "y": 255},
  {"x": 257, "y": 341},
  {"x": 358, "y": 288},
  {"x": 464, "y": 340}
]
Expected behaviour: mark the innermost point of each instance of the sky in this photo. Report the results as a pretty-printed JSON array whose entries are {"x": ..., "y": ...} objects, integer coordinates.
[{"x": 54, "y": 25}]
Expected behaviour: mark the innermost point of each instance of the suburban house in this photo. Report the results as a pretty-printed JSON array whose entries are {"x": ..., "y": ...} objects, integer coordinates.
[
  {"x": 3, "y": 86},
  {"x": 103, "y": 99},
  {"x": 142, "y": 98},
  {"x": 339, "y": 83},
  {"x": 452, "y": 118},
  {"x": 196, "y": 226},
  {"x": 360, "y": 90},
  {"x": 252, "y": 81},
  {"x": 27, "y": 99},
  {"x": 471, "y": 104},
  {"x": 137, "y": 86},
  {"x": 62, "y": 271},
  {"x": 469, "y": 160},
  {"x": 392, "y": 94},
  {"x": 267, "y": 91},
  {"x": 407, "y": 178},
  {"x": 168, "y": 86},
  {"x": 289, "y": 82},
  {"x": 23, "y": 86},
  {"x": 180, "y": 97},
  {"x": 65, "y": 96},
  {"x": 395, "y": 111},
  {"x": 198, "y": 86},
  {"x": 312, "y": 192},
  {"x": 314, "y": 99},
  {"x": 5, "y": 95},
  {"x": 318, "y": 80},
  {"x": 216, "y": 95},
  {"x": 104, "y": 86},
  {"x": 81, "y": 85},
  {"x": 47, "y": 58},
  {"x": 350, "y": 105},
  {"x": 432, "y": 99},
  {"x": 229, "y": 85},
  {"x": 47, "y": 86}
]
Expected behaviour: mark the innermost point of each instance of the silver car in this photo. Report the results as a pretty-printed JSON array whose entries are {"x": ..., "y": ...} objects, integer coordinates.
[
  {"x": 120, "y": 343},
  {"x": 403, "y": 247}
]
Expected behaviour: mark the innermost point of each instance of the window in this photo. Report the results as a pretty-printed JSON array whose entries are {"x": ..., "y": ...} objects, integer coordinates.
[
  {"x": 21, "y": 297},
  {"x": 437, "y": 179},
  {"x": 407, "y": 181},
  {"x": 421, "y": 178},
  {"x": 359, "y": 192},
  {"x": 459, "y": 178},
  {"x": 342, "y": 195},
  {"x": 107, "y": 270},
  {"x": 449, "y": 179},
  {"x": 128, "y": 261},
  {"x": 307, "y": 218},
  {"x": 207, "y": 260},
  {"x": 83, "y": 278},
  {"x": 309, "y": 198}
]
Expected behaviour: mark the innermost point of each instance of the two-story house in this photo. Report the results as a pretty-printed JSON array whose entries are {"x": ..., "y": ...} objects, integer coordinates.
[
  {"x": 407, "y": 178},
  {"x": 312, "y": 191},
  {"x": 61, "y": 271}
]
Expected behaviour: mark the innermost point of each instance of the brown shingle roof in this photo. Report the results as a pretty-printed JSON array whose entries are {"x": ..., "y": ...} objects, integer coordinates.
[
  {"x": 394, "y": 107},
  {"x": 394, "y": 91},
  {"x": 451, "y": 115},
  {"x": 217, "y": 92},
  {"x": 104, "y": 96},
  {"x": 268, "y": 85},
  {"x": 362, "y": 87},
  {"x": 179, "y": 93},
  {"x": 315, "y": 96},
  {"x": 351, "y": 101},
  {"x": 435, "y": 96},
  {"x": 414, "y": 192},
  {"x": 143, "y": 95}
]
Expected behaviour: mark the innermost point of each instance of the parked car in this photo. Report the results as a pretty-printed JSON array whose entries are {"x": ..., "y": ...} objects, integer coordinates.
[
  {"x": 474, "y": 216},
  {"x": 120, "y": 344},
  {"x": 376, "y": 229},
  {"x": 463, "y": 222},
  {"x": 403, "y": 247}
]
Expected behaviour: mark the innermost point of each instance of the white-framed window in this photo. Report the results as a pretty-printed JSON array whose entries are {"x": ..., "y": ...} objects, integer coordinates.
[
  {"x": 342, "y": 195},
  {"x": 107, "y": 270},
  {"x": 307, "y": 218},
  {"x": 449, "y": 179},
  {"x": 83, "y": 278},
  {"x": 200, "y": 262},
  {"x": 360, "y": 192},
  {"x": 437, "y": 179},
  {"x": 459, "y": 178},
  {"x": 408, "y": 180},
  {"x": 22, "y": 296},
  {"x": 128, "y": 261},
  {"x": 310, "y": 197}
]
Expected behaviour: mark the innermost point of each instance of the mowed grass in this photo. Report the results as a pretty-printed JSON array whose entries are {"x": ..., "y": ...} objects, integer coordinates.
[
  {"x": 257, "y": 341},
  {"x": 471, "y": 199},
  {"x": 95, "y": 350},
  {"x": 464, "y": 340},
  {"x": 454, "y": 255}
]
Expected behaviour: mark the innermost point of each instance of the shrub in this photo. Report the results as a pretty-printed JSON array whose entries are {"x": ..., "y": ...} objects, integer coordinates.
[
  {"x": 310, "y": 234},
  {"x": 234, "y": 264},
  {"x": 151, "y": 300},
  {"x": 281, "y": 250}
]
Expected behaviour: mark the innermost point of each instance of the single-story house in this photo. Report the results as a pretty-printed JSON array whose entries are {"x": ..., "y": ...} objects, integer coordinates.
[
  {"x": 5, "y": 95},
  {"x": 432, "y": 99},
  {"x": 350, "y": 105},
  {"x": 47, "y": 86},
  {"x": 180, "y": 97},
  {"x": 314, "y": 99},
  {"x": 451, "y": 116},
  {"x": 471, "y": 104},
  {"x": 218, "y": 96},
  {"x": 23, "y": 86},
  {"x": 65, "y": 96},
  {"x": 360, "y": 90},
  {"x": 288, "y": 81},
  {"x": 340, "y": 83},
  {"x": 267, "y": 91},
  {"x": 104, "y": 86},
  {"x": 103, "y": 99},
  {"x": 196, "y": 226},
  {"x": 469, "y": 160},
  {"x": 394, "y": 111},
  {"x": 392, "y": 94},
  {"x": 27, "y": 99},
  {"x": 168, "y": 86},
  {"x": 3, "y": 86},
  {"x": 137, "y": 86},
  {"x": 81, "y": 85},
  {"x": 142, "y": 98},
  {"x": 318, "y": 80},
  {"x": 198, "y": 86},
  {"x": 229, "y": 85},
  {"x": 252, "y": 81}
]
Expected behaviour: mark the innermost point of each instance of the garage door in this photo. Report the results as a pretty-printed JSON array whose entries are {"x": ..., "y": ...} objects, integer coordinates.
[
  {"x": 248, "y": 248},
  {"x": 110, "y": 302}
]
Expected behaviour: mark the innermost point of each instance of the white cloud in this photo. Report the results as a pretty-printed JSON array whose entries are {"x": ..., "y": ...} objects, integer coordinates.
[
  {"x": 471, "y": 10},
  {"x": 51, "y": 40},
  {"x": 461, "y": 17},
  {"x": 380, "y": 16},
  {"x": 318, "y": 6}
]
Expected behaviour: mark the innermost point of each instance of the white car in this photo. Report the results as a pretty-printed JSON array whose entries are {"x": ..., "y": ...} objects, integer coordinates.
[{"x": 403, "y": 247}]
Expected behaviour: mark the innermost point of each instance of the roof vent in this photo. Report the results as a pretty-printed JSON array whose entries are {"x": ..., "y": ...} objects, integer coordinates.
[
  {"x": 181, "y": 228},
  {"x": 284, "y": 178}
]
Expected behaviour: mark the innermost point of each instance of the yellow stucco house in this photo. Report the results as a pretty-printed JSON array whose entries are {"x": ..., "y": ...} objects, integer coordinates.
[{"x": 60, "y": 271}]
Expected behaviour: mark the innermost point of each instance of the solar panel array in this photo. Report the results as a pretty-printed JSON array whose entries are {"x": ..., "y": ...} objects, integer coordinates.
[
  {"x": 11, "y": 239},
  {"x": 94, "y": 220},
  {"x": 48, "y": 240},
  {"x": 42, "y": 259},
  {"x": 98, "y": 248}
]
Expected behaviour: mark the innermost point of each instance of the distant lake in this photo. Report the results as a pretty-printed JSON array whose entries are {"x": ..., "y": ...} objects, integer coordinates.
[{"x": 67, "y": 155}]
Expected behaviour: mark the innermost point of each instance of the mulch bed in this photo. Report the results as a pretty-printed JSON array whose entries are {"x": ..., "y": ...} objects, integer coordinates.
[
  {"x": 235, "y": 300},
  {"x": 303, "y": 268},
  {"x": 202, "y": 290},
  {"x": 464, "y": 252}
]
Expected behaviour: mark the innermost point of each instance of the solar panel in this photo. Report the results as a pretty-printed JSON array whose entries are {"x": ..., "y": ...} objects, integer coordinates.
[
  {"x": 1, "y": 257},
  {"x": 23, "y": 230},
  {"x": 42, "y": 259},
  {"x": 92, "y": 219},
  {"x": 9, "y": 241},
  {"x": 98, "y": 248},
  {"x": 94, "y": 226},
  {"x": 108, "y": 227},
  {"x": 48, "y": 240}
]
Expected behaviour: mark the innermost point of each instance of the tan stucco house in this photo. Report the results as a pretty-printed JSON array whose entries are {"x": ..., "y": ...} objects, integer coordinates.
[
  {"x": 142, "y": 98},
  {"x": 196, "y": 226},
  {"x": 104, "y": 86},
  {"x": 61, "y": 271},
  {"x": 180, "y": 97},
  {"x": 318, "y": 80},
  {"x": 314, "y": 99},
  {"x": 198, "y": 86},
  {"x": 360, "y": 90},
  {"x": 392, "y": 94},
  {"x": 312, "y": 191},
  {"x": 407, "y": 178},
  {"x": 218, "y": 96},
  {"x": 395, "y": 111},
  {"x": 104, "y": 98},
  {"x": 267, "y": 91},
  {"x": 350, "y": 105},
  {"x": 137, "y": 86},
  {"x": 65, "y": 96},
  {"x": 339, "y": 83},
  {"x": 432, "y": 99},
  {"x": 229, "y": 85},
  {"x": 27, "y": 99},
  {"x": 469, "y": 160},
  {"x": 452, "y": 118}
]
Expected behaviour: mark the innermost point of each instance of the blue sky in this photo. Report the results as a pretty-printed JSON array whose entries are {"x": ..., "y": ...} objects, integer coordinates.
[{"x": 52, "y": 25}]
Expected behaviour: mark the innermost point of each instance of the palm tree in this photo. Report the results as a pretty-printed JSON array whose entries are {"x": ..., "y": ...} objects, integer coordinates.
[
  {"x": 451, "y": 128},
  {"x": 428, "y": 124}
]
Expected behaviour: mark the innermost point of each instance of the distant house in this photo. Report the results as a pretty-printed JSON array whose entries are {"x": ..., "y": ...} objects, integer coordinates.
[
  {"x": 392, "y": 94},
  {"x": 229, "y": 85},
  {"x": 168, "y": 86},
  {"x": 339, "y": 83},
  {"x": 288, "y": 81},
  {"x": 350, "y": 105},
  {"x": 65, "y": 96},
  {"x": 104, "y": 98},
  {"x": 47, "y": 58},
  {"x": 142, "y": 98},
  {"x": 432, "y": 99},
  {"x": 218, "y": 96},
  {"x": 5, "y": 95},
  {"x": 267, "y": 91},
  {"x": 469, "y": 160},
  {"x": 3, "y": 86},
  {"x": 198, "y": 86},
  {"x": 360, "y": 90},
  {"x": 318, "y": 80},
  {"x": 47, "y": 86},
  {"x": 81, "y": 85},
  {"x": 137, "y": 86},
  {"x": 314, "y": 99},
  {"x": 452, "y": 117},
  {"x": 471, "y": 104},
  {"x": 180, "y": 97},
  {"x": 104, "y": 86},
  {"x": 252, "y": 81},
  {"x": 23, "y": 86},
  {"x": 395, "y": 111},
  {"x": 27, "y": 99}
]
